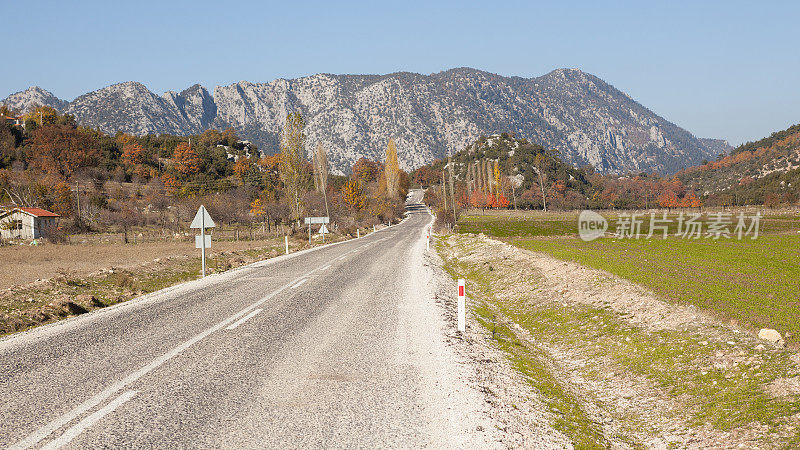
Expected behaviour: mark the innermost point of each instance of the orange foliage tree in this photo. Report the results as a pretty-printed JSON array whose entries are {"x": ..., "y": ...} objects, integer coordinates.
[
  {"x": 366, "y": 170},
  {"x": 62, "y": 149},
  {"x": 185, "y": 160},
  {"x": 353, "y": 194}
]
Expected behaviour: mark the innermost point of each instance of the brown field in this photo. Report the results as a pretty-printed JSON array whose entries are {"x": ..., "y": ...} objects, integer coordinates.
[{"x": 22, "y": 264}]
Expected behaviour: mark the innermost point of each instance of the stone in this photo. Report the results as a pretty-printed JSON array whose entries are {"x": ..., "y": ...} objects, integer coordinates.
[{"x": 768, "y": 334}]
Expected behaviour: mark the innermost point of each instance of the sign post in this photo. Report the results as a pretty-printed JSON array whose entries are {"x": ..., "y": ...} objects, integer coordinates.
[
  {"x": 322, "y": 231},
  {"x": 462, "y": 320},
  {"x": 202, "y": 221},
  {"x": 312, "y": 220}
]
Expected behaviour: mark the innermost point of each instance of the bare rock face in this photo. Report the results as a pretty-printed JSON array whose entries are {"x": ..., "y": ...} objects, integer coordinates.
[
  {"x": 34, "y": 95},
  {"x": 429, "y": 116},
  {"x": 771, "y": 335}
]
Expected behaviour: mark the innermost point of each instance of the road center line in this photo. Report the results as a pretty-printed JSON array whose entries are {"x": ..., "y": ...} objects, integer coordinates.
[
  {"x": 48, "y": 429},
  {"x": 244, "y": 319},
  {"x": 81, "y": 426}
]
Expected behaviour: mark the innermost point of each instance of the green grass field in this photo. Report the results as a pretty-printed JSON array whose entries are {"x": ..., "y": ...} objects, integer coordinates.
[{"x": 756, "y": 282}]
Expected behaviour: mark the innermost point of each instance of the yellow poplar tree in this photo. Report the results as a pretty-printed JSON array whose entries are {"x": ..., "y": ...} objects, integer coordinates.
[{"x": 392, "y": 170}]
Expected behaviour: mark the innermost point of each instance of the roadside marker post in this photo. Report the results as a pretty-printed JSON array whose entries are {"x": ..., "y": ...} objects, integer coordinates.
[
  {"x": 202, "y": 221},
  {"x": 462, "y": 306},
  {"x": 358, "y": 233},
  {"x": 286, "y": 241},
  {"x": 428, "y": 240}
]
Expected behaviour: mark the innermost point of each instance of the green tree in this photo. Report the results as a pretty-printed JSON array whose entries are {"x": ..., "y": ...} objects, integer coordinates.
[{"x": 293, "y": 163}]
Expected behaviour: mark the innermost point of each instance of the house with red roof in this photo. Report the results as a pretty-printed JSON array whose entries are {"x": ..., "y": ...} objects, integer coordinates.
[
  {"x": 14, "y": 121},
  {"x": 26, "y": 223}
]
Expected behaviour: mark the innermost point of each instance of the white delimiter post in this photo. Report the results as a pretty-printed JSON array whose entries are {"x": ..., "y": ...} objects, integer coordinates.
[
  {"x": 428, "y": 241},
  {"x": 358, "y": 233},
  {"x": 462, "y": 306},
  {"x": 286, "y": 241},
  {"x": 203, "y": 240}
]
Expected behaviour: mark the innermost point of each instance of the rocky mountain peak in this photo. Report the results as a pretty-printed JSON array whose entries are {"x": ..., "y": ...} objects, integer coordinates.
[
  {"x": 429, "y": 116},
  {"x": 22, "y": 101}
]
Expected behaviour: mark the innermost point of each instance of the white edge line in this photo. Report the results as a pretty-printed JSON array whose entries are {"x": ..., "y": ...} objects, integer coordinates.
[
  {"x": 326, "y": 267},
  {"x": 84, "y": 424},
  {"x": 299, "y": 283},
  {"x": 47, "y": 429},
  {"x": 244, "y": 319},
  {"x": 190, "y": 286}
]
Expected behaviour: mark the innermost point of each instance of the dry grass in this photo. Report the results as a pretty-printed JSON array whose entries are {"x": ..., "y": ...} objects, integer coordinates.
[{"x": 24, "y": 264}]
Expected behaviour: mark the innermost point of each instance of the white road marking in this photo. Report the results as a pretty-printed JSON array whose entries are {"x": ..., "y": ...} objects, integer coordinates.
[
  {"x": 81, "y": 426},
  {"x": 326, "y": 267},
  {"x": 48, "y": 429},
  {"x": 244, "y": 319}
]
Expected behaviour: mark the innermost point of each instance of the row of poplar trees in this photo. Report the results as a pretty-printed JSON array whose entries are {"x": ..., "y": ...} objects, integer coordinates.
[{"x": 293, "y": 162}]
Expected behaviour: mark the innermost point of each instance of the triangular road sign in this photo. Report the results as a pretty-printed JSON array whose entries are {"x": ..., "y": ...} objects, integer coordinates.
[
  {"x": 323, "y": 229},
  {"x": 202, "y": 219}
]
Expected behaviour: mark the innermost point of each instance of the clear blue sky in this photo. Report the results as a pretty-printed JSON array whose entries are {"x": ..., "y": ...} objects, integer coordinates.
[{"x": 725, "y": 69}]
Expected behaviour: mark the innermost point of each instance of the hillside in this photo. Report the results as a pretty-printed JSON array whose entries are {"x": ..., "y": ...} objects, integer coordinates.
[
  {"x": 506, "y": 165},
  {"x": 586, "y": 119},
  {"x": 765, "y": 171}
]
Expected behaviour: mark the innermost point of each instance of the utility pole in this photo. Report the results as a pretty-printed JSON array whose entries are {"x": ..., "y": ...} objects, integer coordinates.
[
  {"x": 78, "y": 195},
  {"x": 444, "y": 191},
  {"x": 452, "y": 192}
]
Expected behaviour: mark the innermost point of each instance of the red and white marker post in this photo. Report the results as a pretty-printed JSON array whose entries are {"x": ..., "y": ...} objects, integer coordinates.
[
  {"x": 428, "y": 242},
  {"x": 462, "y": 306}
]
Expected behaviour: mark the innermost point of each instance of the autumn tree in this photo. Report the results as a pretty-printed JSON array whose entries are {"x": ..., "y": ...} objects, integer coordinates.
[
  {"x": 61, "y": 150},
  {"x": 367, "y": 170},
  {"x": 185, "y": 160},
  {"x": 668, "y": 199},
  {"x": 353, "y": 194},
  {"x": 269, "y": 166},
  {"x": 293, "y": 162},
  {"x": 392, "y": 170},
  {"x": 62, "y": 199},
  {"x": 42, "y": 115}
]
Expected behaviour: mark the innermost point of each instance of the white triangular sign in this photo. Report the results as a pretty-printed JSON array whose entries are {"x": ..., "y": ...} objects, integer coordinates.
[
  {"x": 323, "y": 229},
  {"x": 202, "y": 219}
]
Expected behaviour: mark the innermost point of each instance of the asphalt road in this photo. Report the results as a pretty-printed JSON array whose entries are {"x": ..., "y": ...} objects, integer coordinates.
[{"x": 342, "y": 346}]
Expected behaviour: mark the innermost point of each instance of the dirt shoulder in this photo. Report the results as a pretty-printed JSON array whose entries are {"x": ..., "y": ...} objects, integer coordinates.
[
  {"x": 23, "y": 264},
  {"x": 84, "y": 278},
  {"x": 610, "y": 364}
]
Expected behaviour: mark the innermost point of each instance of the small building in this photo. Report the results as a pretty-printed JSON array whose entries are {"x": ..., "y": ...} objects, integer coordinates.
[
  {"x": 15, "y": 121},
  {"x": 26, "y": 223}
]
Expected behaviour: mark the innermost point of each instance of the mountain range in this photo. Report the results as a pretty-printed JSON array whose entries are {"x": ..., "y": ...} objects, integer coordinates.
[{"x": 429, "y": 116}]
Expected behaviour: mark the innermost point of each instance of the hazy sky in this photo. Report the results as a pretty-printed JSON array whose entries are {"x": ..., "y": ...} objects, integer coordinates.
[{"x": 719, "y": 69}]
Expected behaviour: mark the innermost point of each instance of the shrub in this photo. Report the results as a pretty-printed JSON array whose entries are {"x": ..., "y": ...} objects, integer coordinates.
[{"x": 54, "y": 234}]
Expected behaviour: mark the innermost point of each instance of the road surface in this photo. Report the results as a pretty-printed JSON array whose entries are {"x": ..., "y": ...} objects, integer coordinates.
[{"x": 341, "y": 346}]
